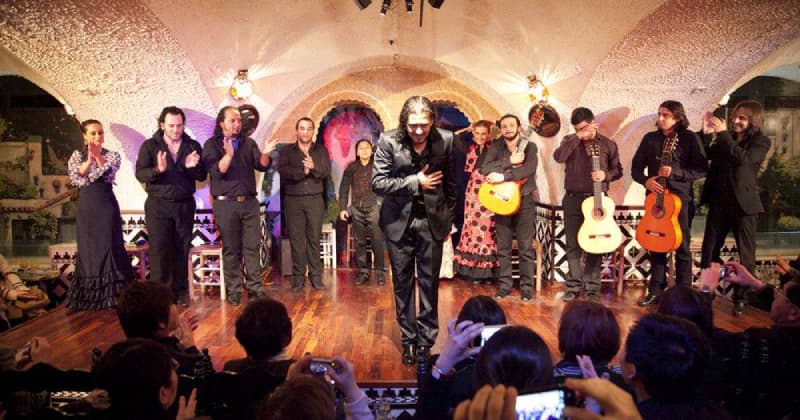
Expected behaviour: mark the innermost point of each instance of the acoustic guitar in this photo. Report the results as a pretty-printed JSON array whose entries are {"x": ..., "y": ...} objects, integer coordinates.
[
  {"x": 504, "y": 198},
  {"x": 659, "y": 230},
  {"x": 599, "y": 234}
]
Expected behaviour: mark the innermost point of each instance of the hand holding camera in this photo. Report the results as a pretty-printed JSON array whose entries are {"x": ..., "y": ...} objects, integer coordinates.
[{"x": 457, "y": 347}]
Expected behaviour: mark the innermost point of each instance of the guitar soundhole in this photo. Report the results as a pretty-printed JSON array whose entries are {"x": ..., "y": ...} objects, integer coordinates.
[{"x": 658, "y": 212}]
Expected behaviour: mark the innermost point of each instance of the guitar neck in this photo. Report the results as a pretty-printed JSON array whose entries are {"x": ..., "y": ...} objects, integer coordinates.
[
  {"x": 666, "y": 160},
  {"x": 597, "y": 185}
]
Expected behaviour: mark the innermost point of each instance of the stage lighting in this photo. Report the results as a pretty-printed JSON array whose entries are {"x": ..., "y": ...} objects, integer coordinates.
[
  {"x": 409, "y": 6},
  {"x": 436, "y": 3},
  {"x": 385, "y": 7},
  {"x": 363, "y": 4},
  {"x": 242, "y": 87}
]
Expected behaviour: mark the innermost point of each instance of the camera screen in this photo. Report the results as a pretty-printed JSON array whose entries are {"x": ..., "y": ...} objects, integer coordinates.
[
  {"x": 541, "y": 405},
  {"x": 488, "y": 331}
]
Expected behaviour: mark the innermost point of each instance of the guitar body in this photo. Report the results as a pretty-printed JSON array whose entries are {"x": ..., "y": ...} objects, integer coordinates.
[
  {"x": 659, "y": 230},
  {"x": 599, "y": 233},
  {"x": 503, "y": 198}
]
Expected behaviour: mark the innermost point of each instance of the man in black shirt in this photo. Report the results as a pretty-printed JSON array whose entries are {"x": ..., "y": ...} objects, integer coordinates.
[
  {"x": 303, "y": 167},
  {"x": 231, "y": 159},
  {"x": 169, "y": 163},
  {"x": 362, "y": 210},
  {"x": 688, "y": 164},
  {"x": 505, "y": 161},
  {"x": 731, "y": 190},
  {"x": 578, "y": 183},
  {"x": 414, "y": 175}
]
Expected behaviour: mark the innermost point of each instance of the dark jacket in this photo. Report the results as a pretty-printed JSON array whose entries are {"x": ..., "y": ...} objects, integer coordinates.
[
  {"x": 177, "y": 182},
  {"x": 498, "y": 160},
  {"x": 688, "y": 161},
  {"x": 293, "y": 177},
  {"x": 737, "y": 163},
  {"x": 240, "y": 179},
  {"x": 578, "y": 169},
  {"x": 395, "y": 178}
]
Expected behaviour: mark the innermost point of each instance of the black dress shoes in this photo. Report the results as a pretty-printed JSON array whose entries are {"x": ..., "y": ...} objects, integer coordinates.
[
  {"x": 409, "y": 354},
  {"x": 362, "y": 278},
  {"x": 649, "y": 300}
]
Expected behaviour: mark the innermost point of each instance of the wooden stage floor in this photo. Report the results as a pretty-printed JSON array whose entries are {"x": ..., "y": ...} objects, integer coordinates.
[{"x": 355, "y": 321}]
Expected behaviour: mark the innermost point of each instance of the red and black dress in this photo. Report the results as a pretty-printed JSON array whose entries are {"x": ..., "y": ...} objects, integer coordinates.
[{"x": 476, "y": 255}]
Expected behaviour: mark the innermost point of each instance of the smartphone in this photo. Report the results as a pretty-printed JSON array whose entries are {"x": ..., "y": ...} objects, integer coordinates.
[
  {"x": 320, "y": 366},
  {"x": 486, "y": 334},
  {"x": 547, "y": 403},
  {"x": 723, "y": 271}
]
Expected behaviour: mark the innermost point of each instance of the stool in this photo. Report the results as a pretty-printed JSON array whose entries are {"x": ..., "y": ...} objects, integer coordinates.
[
  {"x": 327, "y": 247},
  {"x": 207, "y": 273}
]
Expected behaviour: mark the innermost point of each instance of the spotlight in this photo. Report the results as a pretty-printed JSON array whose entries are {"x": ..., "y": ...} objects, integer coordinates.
[
  {"x": 409, "y": 6},
  {"x": 436, "y": 3},
  {"x": 537, "y": 91},
  {"x": 385, "y": 7},
  {"x": 242, "y": 87},
  {"x": 363, "y": 4}
]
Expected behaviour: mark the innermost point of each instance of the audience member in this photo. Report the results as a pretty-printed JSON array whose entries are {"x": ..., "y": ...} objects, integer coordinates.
[
  {"x": 450, "y": 378},
  {"x": 588, "y": 329},
  {"x": 514, "y": 356},
  {"x": 615, "y": 402},
  {"x": 306, "y": 395},
  {"x": 142, "y": 382},
  {"x": 264, "y": 329},
  {"x": 663, "y": 362},
  {"x": 767, "y": 360},
  {"x": 145, "y": 310}
]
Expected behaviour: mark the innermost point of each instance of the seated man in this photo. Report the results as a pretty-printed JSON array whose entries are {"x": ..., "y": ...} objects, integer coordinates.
[
  {"x": 145, "y": 310},
  {"x": 771, "y": 352},
  {"x": 663, "y": 362}
]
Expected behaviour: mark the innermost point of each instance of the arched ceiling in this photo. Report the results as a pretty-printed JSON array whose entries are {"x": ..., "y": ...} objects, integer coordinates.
[{"x": 121, "y": 61}]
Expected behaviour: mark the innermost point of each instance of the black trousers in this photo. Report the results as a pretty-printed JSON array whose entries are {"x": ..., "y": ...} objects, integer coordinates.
[
  {"x": 587, "y": 277},
  {"x": 304, "y": 215},
  {"x": 523, "y": 223},
  {"x": 169, "y": 231},
  {"x": 417, "y": 250},
  {"x": 721, "y": 220},
  {"x": 365, "y": 225},
  {"x": 683, "y": 257},
  {"x": 240, "y": 225}
]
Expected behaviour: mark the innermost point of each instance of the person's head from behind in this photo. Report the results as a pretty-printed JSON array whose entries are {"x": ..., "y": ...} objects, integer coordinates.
[
  {"x": 664, "y": 358},
  {"x": 786, "y": 306},
  {"x": 482, "y": 309},
  {"x": 140, "y": 378},
  {"x": 264, "y": 328},
  {"x": 684, "y": 302},
  {"x": 588, "y": 329},
  {"x": 145, "y": 310},
  {"x": 514, "y": 356},
  {"x": 301, "y": 397}
]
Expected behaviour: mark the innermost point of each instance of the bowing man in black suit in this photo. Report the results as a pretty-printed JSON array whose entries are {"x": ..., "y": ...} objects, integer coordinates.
[
  {"x": 413, "y": 172},
  {"x": 731, "y": 190}
]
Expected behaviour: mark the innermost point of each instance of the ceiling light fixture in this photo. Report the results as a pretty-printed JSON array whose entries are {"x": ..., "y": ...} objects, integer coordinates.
[
  {"x": 537, "y": 91},
  {"x": 242, "y": 87}
]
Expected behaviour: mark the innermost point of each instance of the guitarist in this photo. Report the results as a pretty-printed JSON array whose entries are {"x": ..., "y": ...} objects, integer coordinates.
[
  {"x": 688, "y": 164},
  {"x": 514, "y": 159},
  {"x": 578, "y": 183}
]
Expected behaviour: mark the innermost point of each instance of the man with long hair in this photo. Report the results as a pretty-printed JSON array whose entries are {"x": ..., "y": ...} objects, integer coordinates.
[
  {"x": 731, "y": 190},
  {"x": 688, "y": 163},
  {"x": 230, "y": 158},
  {"x": 414, "y": 175}
]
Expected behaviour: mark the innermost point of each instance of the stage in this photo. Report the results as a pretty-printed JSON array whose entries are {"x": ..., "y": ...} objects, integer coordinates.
[{"x": 355, "y": 321}]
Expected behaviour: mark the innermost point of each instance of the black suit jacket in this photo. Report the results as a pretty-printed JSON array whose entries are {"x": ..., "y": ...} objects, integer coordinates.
[
  {"x": 742, "y": 161},
  {"x": 395, "y": 179}
]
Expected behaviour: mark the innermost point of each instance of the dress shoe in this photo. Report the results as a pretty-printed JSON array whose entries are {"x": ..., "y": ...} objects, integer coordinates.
[
  {"x": 423, "y": 353},
  {"x": 501, "y": 293},
  {"x": 409, "y": 354},
  {"x": 256, "y": 294},
  {"x": 318, "y": 286},
  {"x": 527, "y": 295},
  {"x": 649, "y": 300},
  {"x": 593, "y": 297},
  {"x": 362, "y": 278},
  {"x": 738, "y": 307},
  {"x": 568, "y": 296},
  {"x": 234, "y": 300},
  {"x": 380, "y": 278},
  {"x": 182, "y": 300}
]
